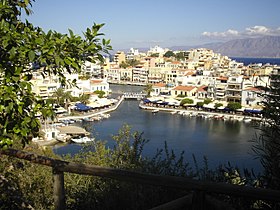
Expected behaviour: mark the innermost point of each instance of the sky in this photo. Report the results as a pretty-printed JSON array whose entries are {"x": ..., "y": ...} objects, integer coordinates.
[{"x": 167, "y": 23}]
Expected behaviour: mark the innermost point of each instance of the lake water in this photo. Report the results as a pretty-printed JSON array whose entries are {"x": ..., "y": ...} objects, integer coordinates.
[{"x": 220, "y": 141}]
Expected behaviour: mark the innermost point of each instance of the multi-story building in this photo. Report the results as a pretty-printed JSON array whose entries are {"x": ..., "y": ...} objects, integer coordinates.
[
  {"x": 251, "y": 97},
  {"x": 92, "y": 69},
  {"x": 45, "y": 87},
  {"x": 220, "y": 85},
  {"x": 133, "y": 54},
  {"x": 234, "y": 89},
  {"x": 126, "y": 74},
  {"x": 119, "y": 57},
  {"x": 140, "y": 74},
  {"x": 156, "y": 75}
]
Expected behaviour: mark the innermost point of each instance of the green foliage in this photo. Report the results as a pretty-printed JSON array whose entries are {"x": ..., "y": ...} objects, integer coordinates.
[
  {"x": 200, "y": 104},
  {"x": 180, "y": 56},
  {"x": 22, "y": 44},
  {"x": 186, "y": 101},
  {"x": 217, "y": 105},
  {"x": 155, "y": 55},
  {"x": 84, "y": 98},
  {"x": 234, "y": 106},
  {"x": 148, "y": 89},
  {"x": 100, "y": 93},
  {"x": 169, "y": 54},
  {"x": 61, "y": 97},
  {"x": 207, "y": 101},
  {"x": 129, "y": 63},
  {"x": 267, "y": 144},
  {"x": 33, "y": 184}
]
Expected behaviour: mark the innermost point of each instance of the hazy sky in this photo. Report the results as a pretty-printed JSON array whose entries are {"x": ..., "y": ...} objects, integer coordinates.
[{"x": 146, "y": 23}]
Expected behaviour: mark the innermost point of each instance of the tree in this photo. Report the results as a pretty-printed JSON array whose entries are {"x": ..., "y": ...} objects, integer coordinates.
[
  {"x": 234, "y": 106},
  {"x": 100, "y": 93},
  {"x": 22, "y": 44},
  {"x": 148, "y": 89},
  {"x": 61, "y": 97},
  {"x": 217, "y": 105},
  {"x": 180, "y": 56},
  {"x": 186, "y": 101},
  {"x": 84, "y": 98},
  {"x": 169, "y": 54},
  {"x": 267, "y": 144}
]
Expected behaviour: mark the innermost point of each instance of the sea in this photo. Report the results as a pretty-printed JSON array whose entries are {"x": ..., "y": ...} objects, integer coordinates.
[
  {"x": 220, "y": 142},
  {"x": 247, "y": 61}
]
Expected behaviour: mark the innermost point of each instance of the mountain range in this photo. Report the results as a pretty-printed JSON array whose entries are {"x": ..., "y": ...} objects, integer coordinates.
[{"x": 266, "y": 46}]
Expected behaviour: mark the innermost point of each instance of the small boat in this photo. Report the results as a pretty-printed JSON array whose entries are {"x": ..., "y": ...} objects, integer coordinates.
[
  {"x": 82, "y": 140},
  {"x": 62, "y": 137},
  {"x": 155, "y": 110},
  {"x": 246, "y": 119}
]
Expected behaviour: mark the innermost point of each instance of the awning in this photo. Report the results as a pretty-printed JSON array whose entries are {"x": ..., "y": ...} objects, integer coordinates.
[
  {"x": 82, "y": 107},
  {"x": 253, "y": 111}
]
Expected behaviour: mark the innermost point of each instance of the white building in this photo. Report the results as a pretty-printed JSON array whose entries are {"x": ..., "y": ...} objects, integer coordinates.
[{"x": 251, "y": 98}]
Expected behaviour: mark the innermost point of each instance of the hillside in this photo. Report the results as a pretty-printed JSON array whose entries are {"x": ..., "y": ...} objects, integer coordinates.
[{"x": 267, "y": 46}]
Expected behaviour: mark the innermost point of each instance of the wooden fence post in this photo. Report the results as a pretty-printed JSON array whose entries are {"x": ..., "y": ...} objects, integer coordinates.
[{"x": 58, "y": 188}]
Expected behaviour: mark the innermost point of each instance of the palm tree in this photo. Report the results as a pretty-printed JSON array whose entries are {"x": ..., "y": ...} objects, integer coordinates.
[
  {"x": 61, "y": 97},
  {"x": 148, "y": 89},
  {"x": 84, "y": 98}
]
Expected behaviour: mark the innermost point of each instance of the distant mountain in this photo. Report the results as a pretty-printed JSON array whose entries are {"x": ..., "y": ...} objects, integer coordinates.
[{"x": 267, "y": 46}]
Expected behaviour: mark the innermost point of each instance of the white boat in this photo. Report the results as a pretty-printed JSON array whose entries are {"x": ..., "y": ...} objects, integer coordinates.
[
  {"x": 81, "y": 140},
  {"x": 246, "y": 119},
  {"x": 63, "y": 137},
  {"x": 155, "y": 110}
]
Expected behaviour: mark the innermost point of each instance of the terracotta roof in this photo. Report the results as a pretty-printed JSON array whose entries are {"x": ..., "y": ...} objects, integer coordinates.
[
  {"x": 222, "y": 78},
  {"x": 190, "y": 73},
  {"x": 95, "y": 81},
  {"x": 202, "y": 88},
  {"x": 159, "y": 85},
  {"x": 184, "y": 88},
  {"x": 254, "y": 89}
]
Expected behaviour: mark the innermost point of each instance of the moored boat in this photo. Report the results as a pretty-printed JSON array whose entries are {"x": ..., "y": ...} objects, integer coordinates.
[{"x": 82, "y": 140}]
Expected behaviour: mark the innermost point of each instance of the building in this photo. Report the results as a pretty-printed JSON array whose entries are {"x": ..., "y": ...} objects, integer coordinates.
[
  {"x": 234, "y": 89},
  {"x": 184, "y": 91},
  {"x": 251, "y": 97},
  {"x": 119, "y": 57}
]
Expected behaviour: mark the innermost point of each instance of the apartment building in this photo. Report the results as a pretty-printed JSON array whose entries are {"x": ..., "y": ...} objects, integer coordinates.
[
  {"x": 140, "y": 74},
  {"x": 251, "y": 97},
  {"x": 234, "y": 89},
  {"x": 119, "y": 57},
  {"x": 156, "y": 75},
  {"x": 91, "y": 69},
  {"x": 45, "y": 87}
]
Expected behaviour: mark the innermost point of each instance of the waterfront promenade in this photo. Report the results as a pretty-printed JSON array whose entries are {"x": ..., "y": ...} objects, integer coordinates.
[
  {"x": 93, "y": 113},
  {"x": 195, "y": 112},
  {"x": 186, "y": 111}
]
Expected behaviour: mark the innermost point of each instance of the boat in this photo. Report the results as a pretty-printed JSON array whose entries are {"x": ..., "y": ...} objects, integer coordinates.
[
  {"x": 155, "y": 110},
  {"x": 82, "y": 140},
  {"x": 63, "y": 137},
  {"x": 246, "y": 119}
]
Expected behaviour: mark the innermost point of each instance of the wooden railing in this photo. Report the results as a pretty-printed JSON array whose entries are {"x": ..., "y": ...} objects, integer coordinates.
[{"x": 198, "y": 200}]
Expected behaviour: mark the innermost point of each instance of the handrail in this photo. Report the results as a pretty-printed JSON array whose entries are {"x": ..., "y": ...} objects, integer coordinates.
[{"x": 144, "y": 178}]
